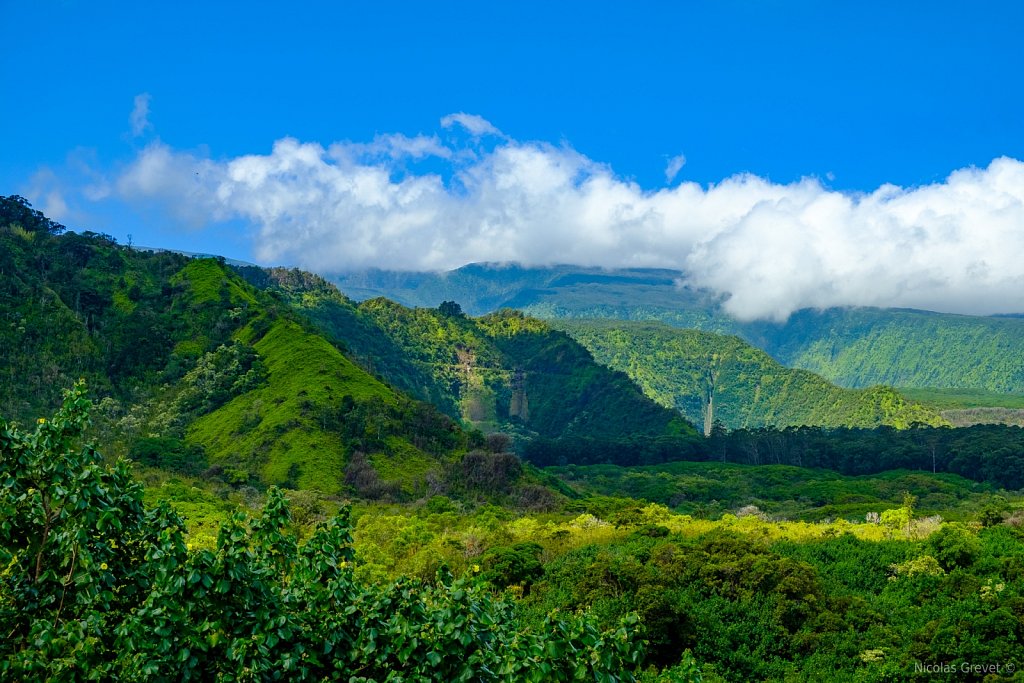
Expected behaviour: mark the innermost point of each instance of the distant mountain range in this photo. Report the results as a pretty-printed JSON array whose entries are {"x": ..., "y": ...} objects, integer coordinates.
[{"x": 852, "y": 347}]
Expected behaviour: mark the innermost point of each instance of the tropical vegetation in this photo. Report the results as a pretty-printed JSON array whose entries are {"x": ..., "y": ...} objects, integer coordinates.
[{"x": 267, "y": 480}]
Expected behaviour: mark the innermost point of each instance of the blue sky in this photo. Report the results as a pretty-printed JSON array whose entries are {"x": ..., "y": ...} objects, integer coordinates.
[{"x": 626, "y": 101}]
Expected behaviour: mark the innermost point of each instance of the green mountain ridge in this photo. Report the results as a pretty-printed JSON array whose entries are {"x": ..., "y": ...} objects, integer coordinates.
[
  {"x": 278, "y": 378},
  {"x": 714, "y": 378},
  {"x": 853, "y": 347},
  {"x": 186, "y": 357}
]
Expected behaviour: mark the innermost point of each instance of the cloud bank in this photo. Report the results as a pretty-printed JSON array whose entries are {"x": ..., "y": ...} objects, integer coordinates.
[{"x": 955, "y": 246}]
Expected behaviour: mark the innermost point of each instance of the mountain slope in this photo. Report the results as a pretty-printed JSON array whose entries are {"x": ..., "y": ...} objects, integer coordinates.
[
  {"x": 712, "y": 378},
  {"x": 852, "y": 347},
  {"x": 863, "y": 346},
  {"x": 196, "y": 370},
  {"x": 81, "y": 306},
  {"x": 503, "y": 370},
  {"x": 193, "y": 367},
  {"x": 278, "y": 429}
]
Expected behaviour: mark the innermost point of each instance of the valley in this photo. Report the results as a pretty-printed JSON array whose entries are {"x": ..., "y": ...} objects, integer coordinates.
[{"x": 664, "y": 503}]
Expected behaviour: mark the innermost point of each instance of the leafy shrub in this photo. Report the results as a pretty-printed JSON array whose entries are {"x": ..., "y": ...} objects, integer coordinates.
[
  {"x": 219, "y": 376},
  {"x": 490, "y": 472},
  {"x": 925, "y": 565},
  {"x": 513, "y": 565},
  {"x": 953, "y": 546}
]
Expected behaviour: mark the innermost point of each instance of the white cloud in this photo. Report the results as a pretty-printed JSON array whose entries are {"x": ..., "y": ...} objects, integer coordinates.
[
  {"x": 477, "y": 126},
  {"x": 187, "y": 183},
  {"x": 674, "y": 166},
  {"x": 957, "y": 245},
  {"x": 139, "y": 117},
  {"x": 394, "y": 146},
  {"x": 45, "y": 191}
]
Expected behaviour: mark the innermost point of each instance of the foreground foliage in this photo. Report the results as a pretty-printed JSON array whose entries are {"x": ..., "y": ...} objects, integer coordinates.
[
  {"x": 752, "y": 599},
  {"x": 96, "y": 586}
]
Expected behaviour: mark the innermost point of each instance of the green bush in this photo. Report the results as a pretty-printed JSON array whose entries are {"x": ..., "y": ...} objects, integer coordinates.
[
  {"x": 954, "y": 546},
  {"x": 514, "y": 565}
]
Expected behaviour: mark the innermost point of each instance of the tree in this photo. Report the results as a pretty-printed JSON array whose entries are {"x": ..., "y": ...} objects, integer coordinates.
[
  {"x": 73, "y": 535},
  {"x": 900, "y": 518},
  {"x": 16, "y": 210},
  {"x": 450, "y": 309},
  {"x": 954, "y": 546}
]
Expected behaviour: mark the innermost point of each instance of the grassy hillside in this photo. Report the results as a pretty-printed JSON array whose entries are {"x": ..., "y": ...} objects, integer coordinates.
[
  {"x": 711, "y": 377},
  {"x": 279, "y": 429},
  {"x": 352, "y": 329},
  {"x": 198, "y": 372},
  {"x": 852, "y": 347}
]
